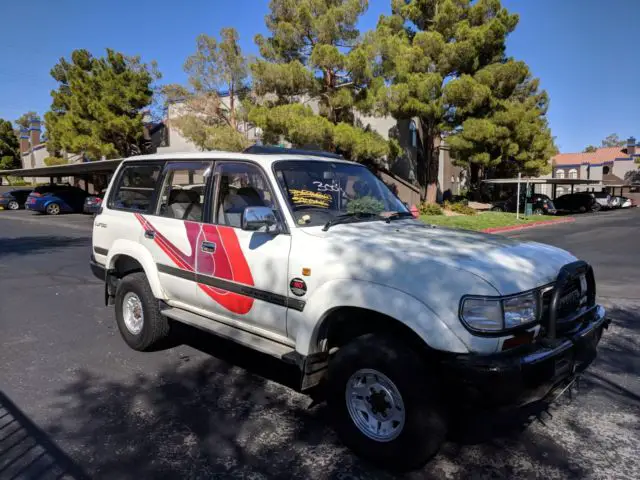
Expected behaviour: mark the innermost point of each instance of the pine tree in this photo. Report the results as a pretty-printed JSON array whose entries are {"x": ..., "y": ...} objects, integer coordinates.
[
  {"x": 207, "y": 118},
  {"x": 99, "y": 104},
  {"x": 314, "y": 76},
  {"x": 444, "y": 64},
  {"x": 9, "y": 146}
]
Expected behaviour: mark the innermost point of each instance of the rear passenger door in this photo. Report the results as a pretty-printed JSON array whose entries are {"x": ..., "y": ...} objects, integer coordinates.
[
  {"x": 172, "y": 231},
  {"x": 242, "y": 275}
]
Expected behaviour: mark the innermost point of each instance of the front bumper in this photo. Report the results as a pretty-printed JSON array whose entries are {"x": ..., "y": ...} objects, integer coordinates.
[{"x": 528, "y": 374}]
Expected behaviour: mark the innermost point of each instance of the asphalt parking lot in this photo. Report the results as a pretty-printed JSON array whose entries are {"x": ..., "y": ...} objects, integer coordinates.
[{"x": 76, "y": 402}]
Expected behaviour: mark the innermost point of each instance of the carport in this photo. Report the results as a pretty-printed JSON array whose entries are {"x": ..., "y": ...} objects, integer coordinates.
[
  {"x": 76, "y": 170},
  {"x": 554, "y": 182}
]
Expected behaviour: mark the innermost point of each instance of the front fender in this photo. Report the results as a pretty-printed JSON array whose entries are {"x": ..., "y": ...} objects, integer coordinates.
[
  {"x": 372, "y": 296},
  {"x": 144, "y": 258}
]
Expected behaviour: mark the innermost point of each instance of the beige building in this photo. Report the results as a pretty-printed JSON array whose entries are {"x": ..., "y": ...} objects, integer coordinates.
[{"x": 608, "y": 165}]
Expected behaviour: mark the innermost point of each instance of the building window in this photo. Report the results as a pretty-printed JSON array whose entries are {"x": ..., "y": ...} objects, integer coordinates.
[
  {"x": 414, "y": 134},
  {"x": 559, "y": 191},
  {"x": 605, "y": 170},
  {"x": 559, "y": 173},
  {"x": 573, "y": 173}
]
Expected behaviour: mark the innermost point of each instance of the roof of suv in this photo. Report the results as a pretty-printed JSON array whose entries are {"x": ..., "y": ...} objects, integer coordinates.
[{"x": 264, "y": 159}]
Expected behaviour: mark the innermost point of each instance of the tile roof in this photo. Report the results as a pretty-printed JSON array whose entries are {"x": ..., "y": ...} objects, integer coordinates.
[{"x": 601, "y": 155}]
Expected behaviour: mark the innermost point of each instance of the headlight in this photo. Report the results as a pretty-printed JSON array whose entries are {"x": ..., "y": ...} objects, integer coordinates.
[
  {"x": 493, "y": 314},
  {"x": 520, "y": 310}
]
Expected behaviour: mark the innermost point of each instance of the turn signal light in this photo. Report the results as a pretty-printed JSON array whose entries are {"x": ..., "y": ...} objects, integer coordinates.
[{"x": 517, "y": 340}]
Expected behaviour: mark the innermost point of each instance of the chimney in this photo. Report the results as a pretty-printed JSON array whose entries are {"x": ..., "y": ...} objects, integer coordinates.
[
  {"x": 34, "y": 131},
  {"x": 24, "y": 141},
  {"x": 631, "y": 146}
]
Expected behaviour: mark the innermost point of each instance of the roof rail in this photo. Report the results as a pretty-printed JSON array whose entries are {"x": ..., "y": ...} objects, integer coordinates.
[{"x": 268, "y": 149}]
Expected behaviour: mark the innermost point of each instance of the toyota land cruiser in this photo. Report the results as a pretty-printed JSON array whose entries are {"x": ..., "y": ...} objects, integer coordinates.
[{"x": 314, "y": 261}]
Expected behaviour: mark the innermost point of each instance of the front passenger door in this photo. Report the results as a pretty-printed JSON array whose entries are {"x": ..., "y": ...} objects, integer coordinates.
[{"x": 242, "y": 275}]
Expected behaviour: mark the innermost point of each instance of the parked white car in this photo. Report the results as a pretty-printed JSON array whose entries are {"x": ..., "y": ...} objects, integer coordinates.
[{"x": 314, "y": 261}]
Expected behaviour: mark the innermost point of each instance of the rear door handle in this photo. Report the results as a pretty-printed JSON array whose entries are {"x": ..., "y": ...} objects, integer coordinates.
[
  {"x": 150, "y": 234},
  {"x": 208, "y": 247}
]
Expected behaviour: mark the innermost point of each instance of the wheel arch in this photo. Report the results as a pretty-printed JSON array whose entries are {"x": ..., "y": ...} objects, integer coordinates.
[
  {"x": 126, "y": 257},
  {"x": 389, "y": 307}
]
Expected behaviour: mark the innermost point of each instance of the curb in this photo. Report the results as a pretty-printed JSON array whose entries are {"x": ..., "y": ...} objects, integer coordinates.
[{"x": 543, "y": 223}]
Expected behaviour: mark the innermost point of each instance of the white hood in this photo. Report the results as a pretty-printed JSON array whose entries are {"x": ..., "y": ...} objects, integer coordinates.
[{"x": 510, "y": 266}]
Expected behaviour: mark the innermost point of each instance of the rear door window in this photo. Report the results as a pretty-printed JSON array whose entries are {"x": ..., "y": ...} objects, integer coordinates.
[
  {"x": 183, "y": 191},
  {"x": 135, "y": 188}
]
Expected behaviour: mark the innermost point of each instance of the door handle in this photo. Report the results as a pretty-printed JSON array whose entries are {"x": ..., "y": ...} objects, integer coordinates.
[
  {"x": 150, "y": 234},
  {"x": 208, "y": 247}
]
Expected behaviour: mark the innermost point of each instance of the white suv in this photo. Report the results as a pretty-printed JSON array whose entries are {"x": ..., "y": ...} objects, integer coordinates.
[{"x": 314, "y": 261}]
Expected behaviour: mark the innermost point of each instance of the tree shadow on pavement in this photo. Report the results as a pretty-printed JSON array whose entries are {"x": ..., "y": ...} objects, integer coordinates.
[
  {"x": 39, "y": 244},
  {"x": 233, "y": 416},
  {"x": 27, "y": 452}
]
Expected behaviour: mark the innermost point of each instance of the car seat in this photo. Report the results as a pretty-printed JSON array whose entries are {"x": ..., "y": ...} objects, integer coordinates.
[
  {"x": 184, "y": 205},
  {"x": 234, "y": 203}
]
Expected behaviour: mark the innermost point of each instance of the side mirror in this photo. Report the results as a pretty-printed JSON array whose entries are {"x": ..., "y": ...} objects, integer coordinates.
[{"x": 259, "y": 218}]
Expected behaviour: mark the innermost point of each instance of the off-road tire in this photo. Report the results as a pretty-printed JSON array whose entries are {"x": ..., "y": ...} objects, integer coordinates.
[
  {"x": 425, "y": 425},
  {"x": 155, "y": 327}
]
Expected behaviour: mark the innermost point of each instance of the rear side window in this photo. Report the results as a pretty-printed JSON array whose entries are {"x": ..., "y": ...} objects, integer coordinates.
[
  {"x": 135, "y": 187},
  {"x": 182, "y": 194}
]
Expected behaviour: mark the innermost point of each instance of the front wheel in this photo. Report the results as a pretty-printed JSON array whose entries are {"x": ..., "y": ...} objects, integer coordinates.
[
  {"x": 538, "y": 211},
  {"x": 53, "y": 209},
  {"x": 384, "y": 403},
  {"x": 497, "y": 209}
]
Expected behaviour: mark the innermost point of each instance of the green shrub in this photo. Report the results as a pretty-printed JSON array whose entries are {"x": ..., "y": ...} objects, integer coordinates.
[
  {"x": 52, "y": 161},
  {"x": 17, "y": 182},
  {"x": 430, "y": 209},
  {"x": 460, "y": 208}
]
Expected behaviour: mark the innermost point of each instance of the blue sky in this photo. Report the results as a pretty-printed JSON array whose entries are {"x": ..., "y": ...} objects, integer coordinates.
[{"x": 584, "y": 51}]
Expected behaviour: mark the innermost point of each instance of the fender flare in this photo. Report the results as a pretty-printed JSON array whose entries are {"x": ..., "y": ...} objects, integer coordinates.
[
  {"x": 143, "y": 257},
  {"x": 388, "y": 301}
]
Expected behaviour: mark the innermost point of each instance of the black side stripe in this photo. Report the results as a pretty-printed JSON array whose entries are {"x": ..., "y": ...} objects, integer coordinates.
[
  {"x": 101, "y": 251},
  {"x": 230, "y": 286}
]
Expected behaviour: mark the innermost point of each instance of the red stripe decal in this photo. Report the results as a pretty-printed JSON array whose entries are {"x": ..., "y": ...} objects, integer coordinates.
[{"x": 226, "y": 262}]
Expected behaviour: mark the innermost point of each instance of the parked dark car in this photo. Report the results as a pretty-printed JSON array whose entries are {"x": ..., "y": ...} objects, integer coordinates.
[
  {"x": 541, "y": 204},
  {"x": 14, "y": 199},
  {"x": 93, "y": 203},
  {"x": 604, "y": 199},
  {"x": 577, "y": 202},
  {"x": 55, "y": 199}
]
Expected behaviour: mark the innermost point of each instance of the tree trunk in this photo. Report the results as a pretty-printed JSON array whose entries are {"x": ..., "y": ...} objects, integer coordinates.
[
  {"x": 428, "y": 164},
  {"x": 232, "y": 107}
]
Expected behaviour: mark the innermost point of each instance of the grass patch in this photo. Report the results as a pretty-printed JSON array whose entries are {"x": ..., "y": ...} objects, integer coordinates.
[{"x": 481, "y": 221}]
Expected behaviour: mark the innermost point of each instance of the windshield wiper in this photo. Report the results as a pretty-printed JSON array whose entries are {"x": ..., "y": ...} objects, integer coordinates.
[
  {"x": 388, "y": 216},
  {"x": 346, "y": 218}
]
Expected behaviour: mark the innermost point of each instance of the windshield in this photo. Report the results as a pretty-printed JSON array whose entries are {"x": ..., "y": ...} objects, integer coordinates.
[{"x": 320, "y": 191}]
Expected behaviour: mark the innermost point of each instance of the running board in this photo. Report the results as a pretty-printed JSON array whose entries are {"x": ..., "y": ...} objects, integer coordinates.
[{"x": 248, "y": 339}]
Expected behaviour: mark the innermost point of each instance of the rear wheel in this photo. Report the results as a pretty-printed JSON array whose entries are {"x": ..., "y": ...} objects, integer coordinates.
[
  {"x": 384, "y": 403},
  {"x": 137, "y": 313},
  {"x": 497, "y": 209},
  {"x": 582, "y": 209},
  {"x": 13, "y": 205},
  {"x": 53, "y": 209},
  {"x": 538, "y": 211}
]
